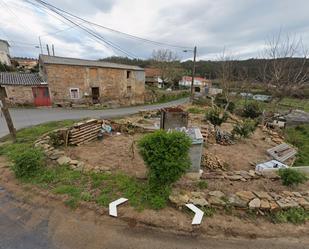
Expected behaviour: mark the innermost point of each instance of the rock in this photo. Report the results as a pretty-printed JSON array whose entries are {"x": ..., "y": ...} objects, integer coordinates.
[
  {"x": 216, "y": 193},
  {"x": 196, "y": 194},
  {"x": 273, "y": 206},
  {"x": 199, "y": 202},
  {"x": 252, "y": 173},
  {"x": 304, "y": 203},
  {"x": 297, "y": 194},
  {"x": 235, "y": 177},
  {"x": 235, "y": 201},
  {"x": 45, "y": 146},
  {"x": 287, "y": 193},
  {"x": 287, "y": 203},
  {"x": 263, "y": 195},
  {"x": 73, "y": 162},
  {"x": 193, "y": 175},
  {"x": 103, "y": 168},
  {"x": 245, "y": 195},
  {"x": 63, "y": 160},
  {"x": 255, "y": 203},
  {"x": 270, "y": 174},
  {"x": 265, "y": 204},
  {"x": 215, "y": 201},
  {"x": 178, "y": 199},
  {"x": 275, "y": 196}
]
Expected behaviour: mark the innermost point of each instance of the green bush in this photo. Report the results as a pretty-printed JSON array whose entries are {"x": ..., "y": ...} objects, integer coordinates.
[
  {"x": 166, "y": 155},
  {"x": 196, "y": 110},
  {"x": 245, "y": 128},
  {"x": 252, "y": 110},
  {"x": 221, "y": 102},
  {"x": 216, "y": 116},
  {"x": 27, "y": 163},
  {"x": 292, "y": 215},
  {"x": 292, "y": 177}
]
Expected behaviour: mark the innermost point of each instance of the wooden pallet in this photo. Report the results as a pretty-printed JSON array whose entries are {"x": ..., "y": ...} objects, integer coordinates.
[{"x": 282, "y": 152}]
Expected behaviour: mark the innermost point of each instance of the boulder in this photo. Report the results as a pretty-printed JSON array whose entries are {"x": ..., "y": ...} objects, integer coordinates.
[
  {"x": 287, "y": 203},
  {"x": 263, "y": 195},
  {"x": 235, "y": 201},
  {"x": 178, "y": 199},
  {"x": 234, "y": 177},
  {"x": 216, "y": 193},
  {"x": 73, "y": 162},
  {"x": 63, "y": 160},
  {"x": 199, "y": 202},
  {"x": 265, "y": 205},
  {"x": 304, "y": 203},
  {"x": 245, "y": 195},
  {"x": 216, "y": 201},
  {"x": 255, "y": 203}
]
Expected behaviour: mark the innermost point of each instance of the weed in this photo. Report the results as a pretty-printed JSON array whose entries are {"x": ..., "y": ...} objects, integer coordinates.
[
  {"x": 196, "y": 110},
  {"x": 293, "y": 215},
  {"x": 292, "y": 177},
  {"x": 202, "y": 184},
  {"x": 208, "y": 211}
]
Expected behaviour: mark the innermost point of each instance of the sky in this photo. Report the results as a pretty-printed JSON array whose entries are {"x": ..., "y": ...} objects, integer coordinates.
[{"x": 240, "y": 27}]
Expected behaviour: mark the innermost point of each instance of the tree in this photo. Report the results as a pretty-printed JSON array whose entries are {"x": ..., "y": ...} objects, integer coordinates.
[
  {"x": 285, "y": 69},
  {"x": 168, "y": 64}
]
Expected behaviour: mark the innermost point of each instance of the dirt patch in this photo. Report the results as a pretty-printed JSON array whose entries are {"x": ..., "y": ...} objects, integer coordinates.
[
  {"x": 115, "y": 153},
  {"x": 245, "y": 152}
]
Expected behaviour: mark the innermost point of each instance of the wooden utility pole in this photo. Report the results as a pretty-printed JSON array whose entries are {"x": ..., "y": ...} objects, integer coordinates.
[
  {"x": 6, "y": 113},
  {"x": 193, "y": 74}
]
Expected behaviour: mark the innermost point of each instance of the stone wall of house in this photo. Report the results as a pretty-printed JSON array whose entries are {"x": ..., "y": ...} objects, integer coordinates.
[
  {"x": 114, "y": 86},
  {"x": 19, "y": 95}
]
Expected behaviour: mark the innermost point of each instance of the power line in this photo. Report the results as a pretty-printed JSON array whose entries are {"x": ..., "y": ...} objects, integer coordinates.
[
  {"x": 89, "y": 31},
  {"x": 114, "y": 30}
]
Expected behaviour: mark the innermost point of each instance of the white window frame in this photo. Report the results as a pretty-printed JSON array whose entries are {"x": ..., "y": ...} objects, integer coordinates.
[{"x": 74, "y": 88}]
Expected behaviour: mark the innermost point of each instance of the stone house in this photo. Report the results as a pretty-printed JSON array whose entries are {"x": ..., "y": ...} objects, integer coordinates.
[
  {"x": 77, "y": 81},
  {"x": 24, "y": 89}
]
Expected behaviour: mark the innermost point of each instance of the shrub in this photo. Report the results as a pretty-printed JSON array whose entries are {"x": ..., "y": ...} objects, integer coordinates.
[
  {"x": 220, "y": 101},
  {"x": 292, "y": 215},
  {"x": 216, "y": 117},
  {"x": 166, "y": 155},
  {"x": 202, "y": 184},
  {"x": 252, "y": 110},
  {"x": 27, "y": 163},
  {"x": 245, "y": 128},
  {"x": 292, "y": 177}
]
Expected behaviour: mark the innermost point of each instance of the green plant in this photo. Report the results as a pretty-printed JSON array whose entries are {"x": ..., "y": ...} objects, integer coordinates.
[
  {"x": 292, "y": 215},
  {"x": 202, "y": 184},
  {"x": 221, "y": 101},
  {"x": 27, "y": 163},
  {"x": 196, "y": 110},
  {"x": 216, "y": 116},
  {"x": 244, "y": 128},
  {"x": 292, "y": 177},
  {"x": 252, "y": 110},
  {"x": 166, "y": 155}
]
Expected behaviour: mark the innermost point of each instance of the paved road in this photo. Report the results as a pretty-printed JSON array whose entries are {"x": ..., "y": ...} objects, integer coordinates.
[
  {"x": 26, "y": 117},
  {"x": 24, "y": 226}
]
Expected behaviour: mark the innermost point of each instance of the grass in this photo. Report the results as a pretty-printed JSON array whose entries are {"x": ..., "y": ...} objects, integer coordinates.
[
  {"x": 302, "y": 104},
  {"x": 298, "y": 136},
  {"x": 196, "y": 110},
  {"x": 293, "y": 215}
]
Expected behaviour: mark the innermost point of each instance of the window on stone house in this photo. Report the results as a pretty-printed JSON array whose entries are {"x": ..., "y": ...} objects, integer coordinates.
[
  {"x": 74, "y": 93},
  {"x": 128, "y": 74},
  {"x": 129, "y": 89}
]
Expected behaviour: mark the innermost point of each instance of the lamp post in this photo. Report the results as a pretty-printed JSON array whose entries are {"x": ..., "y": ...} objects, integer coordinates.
[{"x": 193, "y": 72}]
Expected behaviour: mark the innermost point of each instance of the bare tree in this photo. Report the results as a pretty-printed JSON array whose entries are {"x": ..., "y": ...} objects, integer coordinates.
[
  {"x": 168, "y": 64},
  {"x": 285, "y": 69}
]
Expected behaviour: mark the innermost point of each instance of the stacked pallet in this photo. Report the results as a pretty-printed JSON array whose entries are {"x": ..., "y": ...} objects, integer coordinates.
[{"x": 84, "y": 132}]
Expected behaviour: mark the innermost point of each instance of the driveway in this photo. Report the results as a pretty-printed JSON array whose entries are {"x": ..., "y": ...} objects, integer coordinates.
[{"x": 24, "y": 117}]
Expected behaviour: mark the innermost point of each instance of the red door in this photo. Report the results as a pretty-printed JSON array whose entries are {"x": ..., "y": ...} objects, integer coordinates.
[{"x": 41, "y": 96}]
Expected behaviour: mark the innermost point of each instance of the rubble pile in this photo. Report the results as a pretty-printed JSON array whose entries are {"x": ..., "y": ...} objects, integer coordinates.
[
  {"x": 223, "y": 137},
  {"x": 274, "y": 136}
]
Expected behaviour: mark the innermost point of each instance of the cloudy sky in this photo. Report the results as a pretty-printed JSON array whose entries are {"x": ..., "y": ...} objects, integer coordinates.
[{"x": 238, "y": 26}]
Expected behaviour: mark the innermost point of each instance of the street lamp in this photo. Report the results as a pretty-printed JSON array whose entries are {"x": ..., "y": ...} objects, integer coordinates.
[{"x": 193, "y": 72}]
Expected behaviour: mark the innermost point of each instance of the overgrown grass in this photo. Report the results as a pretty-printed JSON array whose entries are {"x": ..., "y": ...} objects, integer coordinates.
[
  {"x": 293, "y": 215},
  {"x": 302, "y": 104},
  {"x": 299, "y": 137},
  {"x": 196, "y": 110}
]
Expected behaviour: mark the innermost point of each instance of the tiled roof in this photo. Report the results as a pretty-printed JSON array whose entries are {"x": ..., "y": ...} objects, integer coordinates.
[
  {"x": 46, "y": 59},
  {"x": 20, "y": 79}
]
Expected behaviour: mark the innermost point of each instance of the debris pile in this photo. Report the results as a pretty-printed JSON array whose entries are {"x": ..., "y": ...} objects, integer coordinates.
[
  {"x": 212, "y": 162},
  {"x": 275, "y": 136},
  {"x": 208, "y": 133},
  {"x": 223, "y": 137}
]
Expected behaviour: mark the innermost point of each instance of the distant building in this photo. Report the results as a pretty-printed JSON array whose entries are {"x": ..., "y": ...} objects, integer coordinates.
[
  {"x": 153, "y": 76},
  {"x": 25, "y": 63},
  {"x": 5, "y": 52},
  {"x": 199, "y": 83},
  {"x": 78, "y": 81}
]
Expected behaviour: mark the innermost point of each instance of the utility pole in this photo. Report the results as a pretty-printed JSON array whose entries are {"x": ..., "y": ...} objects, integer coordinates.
[
  {"x": 6, "y": 113},
  {"x": 47, "y": 47},
  {"x": 53, "y": 49},
  {"x": 193, "y": 74},
  {"x": 40, "y": 45}
]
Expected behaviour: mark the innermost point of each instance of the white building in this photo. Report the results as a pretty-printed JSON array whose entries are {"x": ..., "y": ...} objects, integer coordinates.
[{"x": 5, "y": 53}]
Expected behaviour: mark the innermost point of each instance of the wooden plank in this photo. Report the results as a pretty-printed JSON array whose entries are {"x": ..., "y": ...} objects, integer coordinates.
[
  {"x": 85, "y": 127},
  {"x": 95, "y": 133},
  {"x": 72, "y": 134}
]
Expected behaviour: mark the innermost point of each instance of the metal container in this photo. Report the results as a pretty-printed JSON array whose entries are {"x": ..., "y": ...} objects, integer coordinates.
[
  {"x": 173, "y": 117},
  {"x": 196, "y": 150}
]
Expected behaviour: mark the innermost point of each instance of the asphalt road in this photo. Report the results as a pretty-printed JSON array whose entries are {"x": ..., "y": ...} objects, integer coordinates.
[
  {"x": 24, "y": 226},
  {"x": 25, "y": 117}
]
